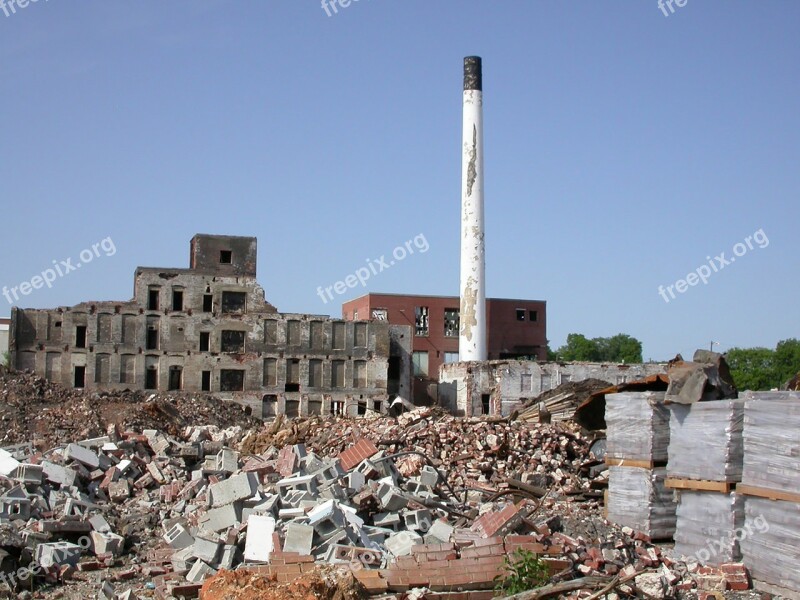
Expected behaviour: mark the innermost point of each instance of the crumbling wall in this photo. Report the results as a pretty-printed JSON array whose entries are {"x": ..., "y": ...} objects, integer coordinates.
[
  {"x": 206, "y": 331},
  {"x": 467, "y": 388}
]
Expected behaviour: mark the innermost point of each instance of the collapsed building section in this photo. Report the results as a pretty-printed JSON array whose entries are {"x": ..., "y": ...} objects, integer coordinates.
[
  {"x": 499, "y": 387},
  {"x": 208, "y": 328}
]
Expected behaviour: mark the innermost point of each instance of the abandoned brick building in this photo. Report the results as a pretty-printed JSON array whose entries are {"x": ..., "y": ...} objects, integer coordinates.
[{"x": 208, "y": 328}]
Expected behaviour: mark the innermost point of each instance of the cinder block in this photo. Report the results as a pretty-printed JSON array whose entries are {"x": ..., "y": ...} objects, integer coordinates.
[
  {"x": 439, "y": 533},
  {"x": 429, "y": 476},
  {"x": 327, "y": 518},
  {"x": 400, "y": 544},
  {"x": 238, "y": 487},
  {"x": 223, "y": 517},
  {"x": 206, "y": 550},
  {"x": 227, "y": 460},
  {"x": 99, "y": 523},
  {"x": 107, "y": 543},
  {"x": 58, "y": 474},
  {"x": 418, "y": 520},
  {"x": 259, "y": 544},
  {"x": 57, "y": 554},
  {"x": 228, "y": 557},
  {"x": 391, "y": 498},
  {"x": 199, "y": 572},
  {"x": 27, "y": 473},
  {"x": 178, "y": 537},
  {"x": 299, "y": 538},
  {"x": 8, "y": 464},
  {"x": 82, "y": 455},
  {"x": 387, "y": 520},
  {"x": 183, "y": 560}
]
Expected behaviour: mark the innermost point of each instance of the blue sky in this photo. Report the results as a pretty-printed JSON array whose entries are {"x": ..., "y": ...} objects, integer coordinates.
[{"x": 622, "y": 148}]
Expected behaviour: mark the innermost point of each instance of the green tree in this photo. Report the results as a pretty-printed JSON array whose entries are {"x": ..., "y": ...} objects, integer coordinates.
[
  {"x": 787, "y": 359},
  {"x": 618, "y": 348},
  {"x": 579, "y": 348},
  {"x": 753, "y": 368}
]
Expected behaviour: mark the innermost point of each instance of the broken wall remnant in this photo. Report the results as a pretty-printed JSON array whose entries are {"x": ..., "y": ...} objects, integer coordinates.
[
  {"x": 500, "y": 387},
  {"x": 208, "y": 328}
]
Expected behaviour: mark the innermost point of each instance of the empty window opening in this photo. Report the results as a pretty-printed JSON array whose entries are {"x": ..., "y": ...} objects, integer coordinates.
[
  {"x": 420, "y": 360},
  {"x": 315, "y": 373},
  {"x": 232, "y": 341},
  {"x": 293, "y": 333},
  {"x": 205, "y": 381},
  {"x": 533, "y": 316},
  {"x": 152, "y": 299},
  {"x": 337, "y": 407},
  {"x": 205, "y": 341},
  {"x": 292, "y": 408},
  {"x": 269, "y": 406},
  {"x": 231, "y": 380},
  {"x": 152, "y": 338},
  {"x": 80, "y": 377},
  {"x": 360, "y": 374},
  {"x": 421, "y": 320},
  {"x": 337, "y": 374},
  {"x": 486, "y": 401},
  {"x": 360, "y": 335},
  {"x": 80, "y": 337},
  {"x": 338, "y": 336},
  {"x": 225, "y": 257},
  {"x": 451, "y": 322},
  {"x": 175, "y": 378},
  {"x": 151, "y": 378},
  {"x": 315, "y": 407},
  {"x": 233, "y": 302},
  {"x": 270, "y": 372},
  {"x": 380, "y": 314},
  {"x": 208, "y": 303},
  {"x": 292, "y": 375},
  {"x": 362, "y": 408},
  {"x": 377, "y": 405},
  {"x": 520, "y": 314},
  {"x": 177, "y": 300}
]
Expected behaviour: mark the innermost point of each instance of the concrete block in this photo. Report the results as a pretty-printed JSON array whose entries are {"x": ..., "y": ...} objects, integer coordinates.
[
  {"x": 182, "y": 560},
  {"x": 299, "y": 538},
  {"x": 429, "y": 476},
  {"x": 82, "y": 455},
  {"x": 238, "y": 487},
  {"x": 356, "y": 480},
  {"x": 95, "y": 443},
  {"x": 206, "y": 550},
  {"x": 178, "y": 537},
  {"x": 228, "y": 557},
  {"x": 227, "y": 460},
  {"x": 119, "y": 491},
  {"x": 224, "y": 517},
  {"x": 291, "y": 513},
  {"x": 8, "y": 464},
  {"x": 58, "y": 474},
  {"x": 400, "y": 544},
  {"x": 387, "y": 520},
  {"x": 199, "y": 572},
  {"x": 391, "y": 498},
  {"x": 259, "y": 544},
  {"x": 57, "y": 554},
  {"x": 439, "y": 533},
  {"x": 27, "y": 473},
  {"x": 99, "y": 523},
  {"x": 418, "y": 520},
  {"x": 327, "y": 518},
  {"x": 107, "y": 543},
  {"x": 305, "y": 483}
]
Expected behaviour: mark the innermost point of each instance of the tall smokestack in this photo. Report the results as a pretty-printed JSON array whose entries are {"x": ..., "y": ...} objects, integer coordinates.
[{"x": 472, "y": 337}]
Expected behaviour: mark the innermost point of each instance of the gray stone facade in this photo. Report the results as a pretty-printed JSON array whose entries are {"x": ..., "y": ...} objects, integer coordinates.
[{"x": 209, "y": 328}]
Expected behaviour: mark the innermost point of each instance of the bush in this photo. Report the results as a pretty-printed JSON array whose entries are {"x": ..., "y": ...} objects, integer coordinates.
[{"x": 525, "y": 572}]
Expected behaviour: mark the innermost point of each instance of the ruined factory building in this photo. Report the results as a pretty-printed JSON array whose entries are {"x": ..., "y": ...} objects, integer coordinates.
[{"x": 208, "y": 328}]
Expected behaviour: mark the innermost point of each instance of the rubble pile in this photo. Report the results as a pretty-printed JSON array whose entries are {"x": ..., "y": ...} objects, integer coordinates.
[
  {"x": 35, "y": 409},
  {"x": 132, "y": 515},
  {"x": 560, "y": 403},
  {"x": 472, "y": 452}
]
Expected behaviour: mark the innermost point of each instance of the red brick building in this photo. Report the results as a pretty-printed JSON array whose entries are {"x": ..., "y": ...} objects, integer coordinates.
[{"x": 515, "y": 329}]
